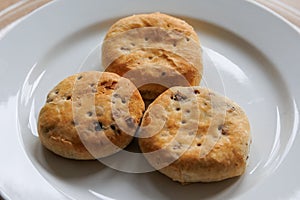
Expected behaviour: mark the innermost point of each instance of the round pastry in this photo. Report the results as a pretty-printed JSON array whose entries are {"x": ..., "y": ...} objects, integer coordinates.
[
  {"x": 90, "y": 115},
  {"x": 163, "y": 37},
  {"x": 192, "y": 134}
]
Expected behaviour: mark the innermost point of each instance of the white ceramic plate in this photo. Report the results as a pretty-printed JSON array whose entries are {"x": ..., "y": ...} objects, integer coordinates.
[{"x": 251, "y": 55}]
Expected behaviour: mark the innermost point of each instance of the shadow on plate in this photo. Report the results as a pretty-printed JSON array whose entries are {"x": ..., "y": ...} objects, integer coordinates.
[
  {"x": 67, "y": 168},
  {"x": 194, "y": 191}
]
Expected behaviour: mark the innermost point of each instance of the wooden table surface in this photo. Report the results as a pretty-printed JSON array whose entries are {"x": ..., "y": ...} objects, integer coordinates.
[{"x": 11, "y": 10}]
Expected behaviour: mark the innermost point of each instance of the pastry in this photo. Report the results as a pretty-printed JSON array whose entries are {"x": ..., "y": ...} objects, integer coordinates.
[
  {"x": 192, "y": 134},
  {"x": 132, "y": 43},
  {"x": 90, "y": 115}
]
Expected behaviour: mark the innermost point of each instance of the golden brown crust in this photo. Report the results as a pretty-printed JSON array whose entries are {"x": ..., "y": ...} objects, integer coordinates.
[
  {"x": 174, "y": 57},
  {"x": 154, "y": 33},
  {"x": 161, "y": 68},
  {"x": 90, "y": 115},
  {"x": 199, "y": 137},
  {"x": 154, "y": 38},
  {"x": 152, "y": 20}
]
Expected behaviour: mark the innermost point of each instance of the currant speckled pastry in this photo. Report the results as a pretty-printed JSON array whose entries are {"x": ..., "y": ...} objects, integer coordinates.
[
  {"x": 192, "y": 134},
  {"x": 158, "y": 44},
  {"x": 90, "y": 115}
]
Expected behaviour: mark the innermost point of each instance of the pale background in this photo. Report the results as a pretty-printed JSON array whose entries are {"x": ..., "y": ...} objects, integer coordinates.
[{"x": 12, "y": 10}]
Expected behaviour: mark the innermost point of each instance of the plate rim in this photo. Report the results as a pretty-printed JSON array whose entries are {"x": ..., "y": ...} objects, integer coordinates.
[{"x": 7, "y": 31}]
